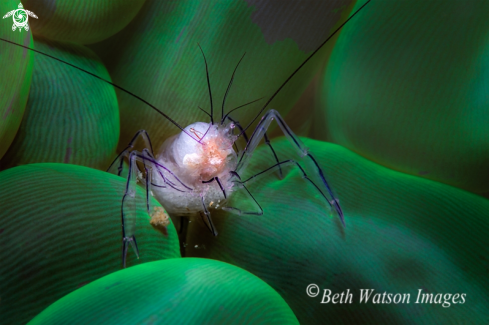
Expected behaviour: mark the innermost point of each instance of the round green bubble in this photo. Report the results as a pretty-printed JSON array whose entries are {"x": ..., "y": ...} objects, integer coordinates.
[
  {"x": 15, "y": 76},
  {"x": 173, "y": 291},
  {"x": 402, "y": 234},
  {"x": 60, "y": 228},
  {"x": 157, "y": 57},
  {"x": 71, "y": 117},
  {"x": 406, "y": 86},
  {"x": 80, "y": 21}
]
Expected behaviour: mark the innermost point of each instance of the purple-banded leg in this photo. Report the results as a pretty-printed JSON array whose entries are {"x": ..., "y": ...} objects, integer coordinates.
[
  {"x": 129, "y": 200},
  {"x": 302, "y": 151},
  {"x": 241, "y": 197},
  {"x": 119, "y": 160},
  {"x": 208, "y": 220},
  {"x": 247, "y": 198},
  {"x": 267, "y": 141},
  {"x": 278, "y": 167},
  {"x": 269, "y": 144},
  {"x": 128, "y": 209},
  {"x": 216, "y": 179},
  {"x": 148, "y": 170}
]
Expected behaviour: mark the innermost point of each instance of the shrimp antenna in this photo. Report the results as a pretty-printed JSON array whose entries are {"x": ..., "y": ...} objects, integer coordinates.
[
  {"x": 240, "y": 107},
  {"x": 297, "y": 70},
  {"x": 229, "y": 87},
  {"x": 106, "y": 81},
  {"x": 208, "y": 84},
  {"x": 204, "y": 111}
]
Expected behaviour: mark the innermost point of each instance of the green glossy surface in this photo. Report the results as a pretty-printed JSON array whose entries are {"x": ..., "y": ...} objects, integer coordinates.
[
  {"x": 174, "y": 291},
  {"x": 71, "y": 117},
  {"x": 60, "y": 228},
  {"x": 403, "y": 233},
  {"x": 16, "y": 71},
  {"x": 157, "y": 58},
  {"x": 406, "y": 86},
  {"x": 81, "y": 21}
]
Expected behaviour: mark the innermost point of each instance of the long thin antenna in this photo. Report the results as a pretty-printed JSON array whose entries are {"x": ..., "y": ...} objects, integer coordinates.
[
  {"x": 106, "y": 81},
  {"x": 229, "y": 87},
  {"x": 239, "y": 107},
  {"x": 204, "y": 111},
  {"x": 208, "y": 84},
  {"x": 297, "y": 70}
]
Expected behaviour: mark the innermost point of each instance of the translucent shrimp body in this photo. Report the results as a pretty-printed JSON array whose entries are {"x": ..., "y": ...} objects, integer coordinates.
[{"x": 203, "y": 166}]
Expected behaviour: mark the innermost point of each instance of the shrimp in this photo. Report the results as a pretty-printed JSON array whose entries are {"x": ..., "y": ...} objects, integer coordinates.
[{"x": 203, "y": 165}]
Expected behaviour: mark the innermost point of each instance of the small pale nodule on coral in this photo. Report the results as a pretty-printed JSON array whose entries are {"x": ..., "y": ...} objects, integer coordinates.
[
  {"x": 139, "y": 177},
  {"x": 160, "y": 219}
]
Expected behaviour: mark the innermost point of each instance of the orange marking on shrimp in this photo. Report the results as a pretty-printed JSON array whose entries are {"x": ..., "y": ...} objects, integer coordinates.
[{"x": 194, "y": 131}]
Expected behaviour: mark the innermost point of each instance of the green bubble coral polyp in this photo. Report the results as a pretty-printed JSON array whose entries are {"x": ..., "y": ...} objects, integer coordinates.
[
  {"x": 16, "y": 65},
  {"x": 60, "y": 229},
  {"x": 70, "y": 116},
  {"x": 397, "y": 80},
  {"x": 173, "y": 291}
]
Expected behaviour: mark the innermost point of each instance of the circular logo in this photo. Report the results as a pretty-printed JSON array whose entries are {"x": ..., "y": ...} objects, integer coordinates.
[
  {"x": 20, "y": 16},
  {"x": 312, "y": 290}
]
